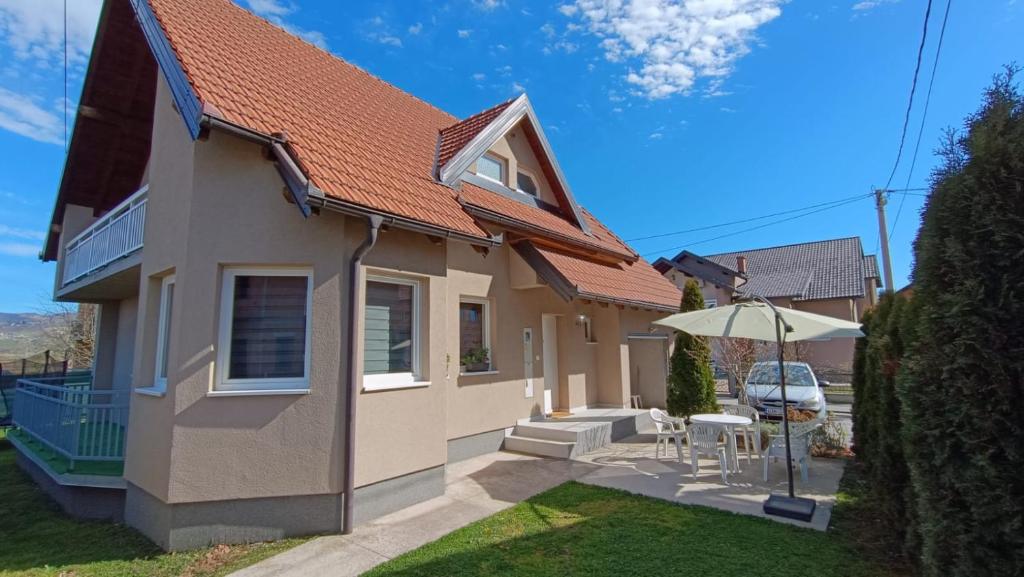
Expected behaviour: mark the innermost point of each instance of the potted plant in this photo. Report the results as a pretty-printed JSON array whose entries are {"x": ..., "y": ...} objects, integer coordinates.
[{"x": 476, "y": 360}]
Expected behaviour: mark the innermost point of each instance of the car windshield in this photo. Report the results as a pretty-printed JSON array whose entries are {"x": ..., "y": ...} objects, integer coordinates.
[{"x": 796, "y": 376}]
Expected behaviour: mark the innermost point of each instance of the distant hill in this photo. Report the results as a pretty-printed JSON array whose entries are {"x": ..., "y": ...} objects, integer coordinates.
[{"x": 23, "y": 335}]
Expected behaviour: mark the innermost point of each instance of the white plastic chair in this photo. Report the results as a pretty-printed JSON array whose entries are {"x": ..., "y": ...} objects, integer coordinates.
[
  {"x": 704, "y": 440},
  {"x": 799, "y": 447},
  {"x": 751, "y": 433},
  {"x": 668, "y": 428}
]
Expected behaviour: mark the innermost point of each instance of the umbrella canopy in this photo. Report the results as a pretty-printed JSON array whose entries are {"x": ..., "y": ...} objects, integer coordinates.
[{"x": 756, "y": 320}]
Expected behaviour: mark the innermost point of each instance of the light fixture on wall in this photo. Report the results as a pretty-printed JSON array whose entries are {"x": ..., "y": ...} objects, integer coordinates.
[{"x": 581, "y": 320}]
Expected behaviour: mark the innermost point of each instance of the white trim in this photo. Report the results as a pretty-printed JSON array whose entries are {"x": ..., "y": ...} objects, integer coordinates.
[
  {"x": 479, "y": 374},
  {"x": 151, "y": 391},
  {"x": 385, "y": 381},
  {"x": 257, "y": 392},
  {"x": 486, "y": 304},
  {"x": 163, "y": 328},
  {"x": 223, "y": 383}
]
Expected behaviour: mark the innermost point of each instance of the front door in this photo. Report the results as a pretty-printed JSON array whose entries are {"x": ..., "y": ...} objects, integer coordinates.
[
  {"x": 549, "y": 336},
  {"x": 528, "y": 360}
]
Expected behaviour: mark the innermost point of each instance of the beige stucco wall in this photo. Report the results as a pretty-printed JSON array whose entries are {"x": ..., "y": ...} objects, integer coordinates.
[
  {"x": 76, "y": 219},
  {"x": 834, "y": 353},
  {"x": 722, "y": 294},
  {"x": 648, "y": 370},
  {"x": 124, "y": 343},
  {"x": 216, "y": 203}
]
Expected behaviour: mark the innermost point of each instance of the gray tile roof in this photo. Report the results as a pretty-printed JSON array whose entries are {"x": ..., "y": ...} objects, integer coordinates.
[
  {"x": 871, "y": 268},
  {"x": 824, "y": 269}
]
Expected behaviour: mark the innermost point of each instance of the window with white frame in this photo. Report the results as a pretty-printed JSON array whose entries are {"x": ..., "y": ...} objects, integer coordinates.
[
  {"x": 391, "y": 338},
  {"x": 588, "y": 330},
  {"x": 710, "y": 303},
  {"x": 475, "y": 335},
  {"x": 163, "y": 335},
  {"x": 492, "y": 167},
  {"x": 265, "y": 329},
  {"x": 526, "y": 183}
]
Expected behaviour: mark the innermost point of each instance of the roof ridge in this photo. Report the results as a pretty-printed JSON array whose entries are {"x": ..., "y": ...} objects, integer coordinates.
[
  {"x": 828, "y": 240},
  {"x": 335, "y": 57}
]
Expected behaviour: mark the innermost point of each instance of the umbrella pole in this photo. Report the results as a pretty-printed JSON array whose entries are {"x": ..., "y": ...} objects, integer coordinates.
[{"x": 785, "y": 407}]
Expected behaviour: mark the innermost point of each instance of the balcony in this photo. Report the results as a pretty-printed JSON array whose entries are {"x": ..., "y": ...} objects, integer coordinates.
[
  {"x": 115, "y": 236},
  {"x": 71, "y": 427}
]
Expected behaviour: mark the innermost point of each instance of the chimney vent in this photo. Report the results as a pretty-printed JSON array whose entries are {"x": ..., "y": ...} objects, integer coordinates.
[{"x": 741, "y": 264}]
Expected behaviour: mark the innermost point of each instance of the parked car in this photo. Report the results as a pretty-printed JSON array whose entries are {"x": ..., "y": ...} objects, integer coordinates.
[{"x": 803, "y": 389}]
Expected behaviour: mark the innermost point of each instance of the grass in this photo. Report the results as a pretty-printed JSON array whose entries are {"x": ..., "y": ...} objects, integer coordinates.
[
  {"x": 577, "y": 529},
  {"x": 37, "y": 539}
]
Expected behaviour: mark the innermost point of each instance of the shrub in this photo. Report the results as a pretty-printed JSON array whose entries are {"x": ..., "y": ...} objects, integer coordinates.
[
  {"x": 691, "y": 384},
  {"x": 962, "y": 388}
]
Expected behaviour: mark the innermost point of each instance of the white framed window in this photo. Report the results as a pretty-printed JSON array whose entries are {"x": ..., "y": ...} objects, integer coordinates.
[
  {"x": 475, "y": 335},
  {"x": 710, "y": 303},
  {"x": 265, "y": 332},
  {"x": 525, "y": 182},
  {"x": 492, "y": 167},
  {"x": 163, "y": 335},
  {"x": 588, "y": 330},
  {"x": 391, "y": 333}
]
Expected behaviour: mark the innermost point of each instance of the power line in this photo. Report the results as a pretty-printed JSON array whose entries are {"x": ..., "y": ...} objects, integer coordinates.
[
  {"x": 741, "y": 221},
  {"x": 924, "y": 115},
  {"x": 913, "y": 88},
  {"x": 765, "y": 225}
]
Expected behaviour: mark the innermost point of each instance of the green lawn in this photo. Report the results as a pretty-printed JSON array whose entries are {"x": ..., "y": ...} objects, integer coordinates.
[
  {"x": 37, "y": 539},
  {"x": 60, "y": 464},
  {"x": 576, "y": 529}
]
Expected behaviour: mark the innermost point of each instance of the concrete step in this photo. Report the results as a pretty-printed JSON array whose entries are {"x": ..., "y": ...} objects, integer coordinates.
[
  {"x": 546, "y": 431},
  {"x": 542, "y": 447}
]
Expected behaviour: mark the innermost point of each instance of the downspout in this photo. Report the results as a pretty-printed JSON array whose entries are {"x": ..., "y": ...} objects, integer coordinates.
[{"x": 373, "y": 224}]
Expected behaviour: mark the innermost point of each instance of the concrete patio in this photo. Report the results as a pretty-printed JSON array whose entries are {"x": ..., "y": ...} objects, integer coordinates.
[{"x": 479, "y": 487}]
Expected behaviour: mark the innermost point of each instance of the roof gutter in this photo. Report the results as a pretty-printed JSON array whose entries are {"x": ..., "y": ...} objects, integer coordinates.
[
  {"x": 319, "y": 199},
  {"x": 373, "y": 224},
  {"x": 512, "y": 223}
]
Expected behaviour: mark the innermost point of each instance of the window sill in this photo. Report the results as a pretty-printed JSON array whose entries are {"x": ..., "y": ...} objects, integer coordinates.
[
  {"x": 394, "y": 385},
  {"x": 258, "y": 393},
  {"x": 151, "y": 392},
  {"x": 478, "y": 373}
]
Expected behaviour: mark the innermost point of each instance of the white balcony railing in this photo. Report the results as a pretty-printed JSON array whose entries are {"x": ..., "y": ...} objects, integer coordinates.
[{"x": 116, "y": 235}]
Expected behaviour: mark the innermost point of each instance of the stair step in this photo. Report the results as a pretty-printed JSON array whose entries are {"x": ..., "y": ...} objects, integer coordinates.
[
  {"x": 546, "y": 433},
  {"x": 542, "y": 447}
]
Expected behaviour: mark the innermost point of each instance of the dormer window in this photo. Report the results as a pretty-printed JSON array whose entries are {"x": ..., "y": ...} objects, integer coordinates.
[
  {"x": 492, "y": 167},
  {"x": 526, "y": 183}
]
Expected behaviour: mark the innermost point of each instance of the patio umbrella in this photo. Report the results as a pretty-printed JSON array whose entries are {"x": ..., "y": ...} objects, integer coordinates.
[{"x": 760, "y": 320}]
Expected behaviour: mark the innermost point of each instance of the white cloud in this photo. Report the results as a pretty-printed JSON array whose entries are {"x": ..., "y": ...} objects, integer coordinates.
[
  {"x": 389, "y": 40},
  {"x": 518, "y": 88},
  {"x": 865, "y": 5},
  {"x": 276, "y": 10},
  {"x": 728, "y": 110},
  {"x": 669, "y": 46},
  {"x": 505, "y": 70},
  {"x": 416, "y": 28},
  {"x": 488, "y": 5},
  {"x": 479, "y": 77},
  {"x": 548, "y": 30},
  {"x": 22, "y": 115},
  {"x": 568, "y": 9},
  {"x": 656, "y": 136},
  {"x": 34, "y": 29},
  {"x": 464, "y": 33},
  {"x": 19, "y": 249},
  {"x": 21, "y": 232}
]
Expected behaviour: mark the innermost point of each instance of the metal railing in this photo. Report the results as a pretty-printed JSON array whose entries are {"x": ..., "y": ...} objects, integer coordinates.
[
  {"x": 71, "y": 418},
  {"x": 116, "y": 235}
]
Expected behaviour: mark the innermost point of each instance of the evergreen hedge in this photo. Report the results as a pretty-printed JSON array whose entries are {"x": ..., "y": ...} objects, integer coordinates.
[
  {"x": 691, "y": 382},
  {"x": 939, "y": 380}
]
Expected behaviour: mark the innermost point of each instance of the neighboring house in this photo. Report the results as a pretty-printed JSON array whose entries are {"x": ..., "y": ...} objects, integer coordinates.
[
  {"x": 828, "y": 277},
  {"x": 292, "y": 258}
]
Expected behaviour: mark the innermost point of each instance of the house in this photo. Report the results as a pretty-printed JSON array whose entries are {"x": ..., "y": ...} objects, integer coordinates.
[
  {"x": 828, "y": 277},
  {"x": 315, "y": 289}
]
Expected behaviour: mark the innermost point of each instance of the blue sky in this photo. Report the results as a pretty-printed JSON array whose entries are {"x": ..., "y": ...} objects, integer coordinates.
[{"x": 664, "y": 116}]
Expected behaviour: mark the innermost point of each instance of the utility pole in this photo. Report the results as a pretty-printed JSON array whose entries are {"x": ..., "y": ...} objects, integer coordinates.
[{"x": 883, "y": 235}]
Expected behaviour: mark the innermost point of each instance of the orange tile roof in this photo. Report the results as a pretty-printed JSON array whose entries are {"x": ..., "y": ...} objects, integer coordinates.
[
  {"x": 533, "y": 217},
  {"x": 455, "y": 137},
  {"x": 364, "y": 141},
  {"x": 632, "y": 283},
  {"x": 357, "y": 137}
]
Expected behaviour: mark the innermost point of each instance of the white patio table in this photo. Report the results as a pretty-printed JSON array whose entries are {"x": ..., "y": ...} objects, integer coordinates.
[{"x": 729, "y": 423}]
